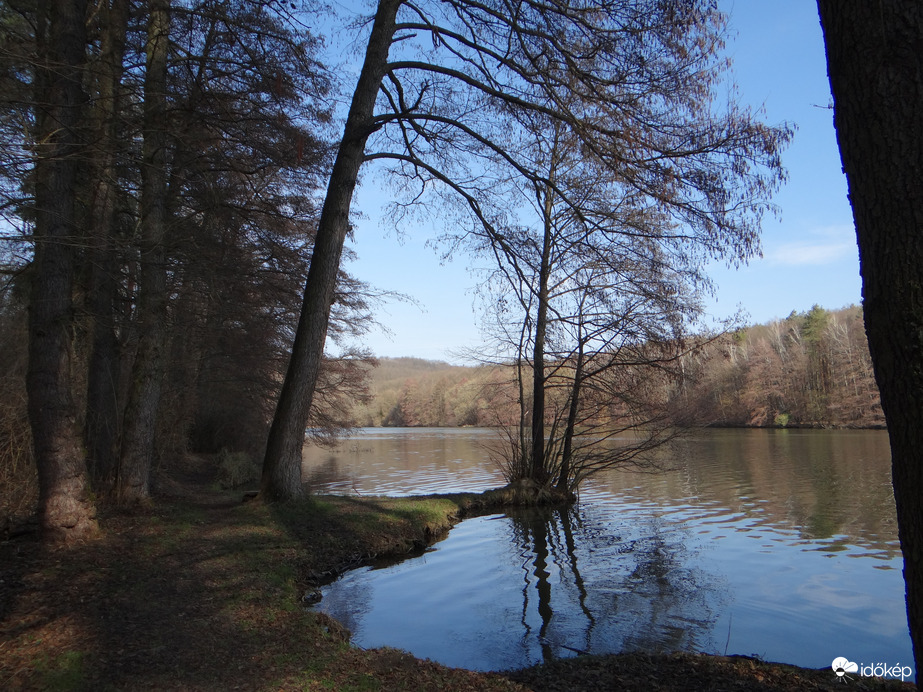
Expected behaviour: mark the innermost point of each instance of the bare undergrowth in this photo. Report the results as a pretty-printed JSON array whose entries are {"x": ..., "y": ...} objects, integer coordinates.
[{"x": 18, "y": 478}]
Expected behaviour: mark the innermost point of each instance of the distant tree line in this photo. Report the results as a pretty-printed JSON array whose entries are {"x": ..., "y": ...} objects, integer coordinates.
[
  {"x": 810, "y": 369},
  {"x": 412, "y": 392}
]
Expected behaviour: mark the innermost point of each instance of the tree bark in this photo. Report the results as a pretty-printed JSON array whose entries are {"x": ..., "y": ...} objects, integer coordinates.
[
  {"x": 538, "y": 470},
  {"x": 140, "y": 425},
  {"x": 281, "y": 477},
  {"x": 875, "y": 65},
  {"x": 573, "y": 408},
  {"x": 102, "y": 410},
  {"x": 66, "y": 512}
]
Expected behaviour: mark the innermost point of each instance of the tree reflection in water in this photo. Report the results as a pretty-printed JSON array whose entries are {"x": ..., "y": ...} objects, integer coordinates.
[
  {"x": 790, "y": 533},
  {"x": 642, "y": 593},
  {"x": 510, "y": 591},
  {"x": 538, "y": 532}
]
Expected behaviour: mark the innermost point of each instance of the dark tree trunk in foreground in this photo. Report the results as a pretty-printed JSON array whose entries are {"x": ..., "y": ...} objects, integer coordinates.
[
  {"x": 281, "y": 479},
  {"x": 66, "y": 512},
  {"x": 875, "y": 64},
  {"x": 102, "y": 409},
  {"x": 133, "y": 483}
]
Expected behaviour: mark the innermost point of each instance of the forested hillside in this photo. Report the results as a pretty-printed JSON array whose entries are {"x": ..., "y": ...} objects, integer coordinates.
[
  {"x": 809, "y": 369},
  {"x": 416, "y": 392}
]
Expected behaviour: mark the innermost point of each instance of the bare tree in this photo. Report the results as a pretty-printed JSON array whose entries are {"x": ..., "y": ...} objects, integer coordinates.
[
  {"x": 102, "y": 396},
  {"x": 448, "y": 91},
  {"x": 601, "y": 305},
  {"x": 605, "y": 278},
  {"x": 281, "y": 478}
]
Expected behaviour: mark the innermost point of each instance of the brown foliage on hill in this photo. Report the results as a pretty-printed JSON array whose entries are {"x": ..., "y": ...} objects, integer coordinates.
[
  {"x": 416, "y": 392},
  {"x": 809, "y": 369}
]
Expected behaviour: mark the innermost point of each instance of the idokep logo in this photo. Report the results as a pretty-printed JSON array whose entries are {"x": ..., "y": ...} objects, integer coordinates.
[{"x": 841, "y": 666}]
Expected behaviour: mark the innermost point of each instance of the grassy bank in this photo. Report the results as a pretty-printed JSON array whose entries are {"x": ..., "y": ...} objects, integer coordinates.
[{"x": 203, "y": 592}]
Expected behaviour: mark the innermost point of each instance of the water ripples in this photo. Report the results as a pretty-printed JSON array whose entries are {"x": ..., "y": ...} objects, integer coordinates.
[{"x": 780, "y": 545}]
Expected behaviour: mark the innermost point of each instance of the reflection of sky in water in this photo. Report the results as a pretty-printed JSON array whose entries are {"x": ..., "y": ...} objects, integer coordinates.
[
  {"x": 482, "y": 600},
  {"x": 753, "y": 552}
]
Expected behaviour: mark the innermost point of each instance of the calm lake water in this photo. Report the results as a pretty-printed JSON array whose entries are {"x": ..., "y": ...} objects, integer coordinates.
[{"x": 776, "y": 543}]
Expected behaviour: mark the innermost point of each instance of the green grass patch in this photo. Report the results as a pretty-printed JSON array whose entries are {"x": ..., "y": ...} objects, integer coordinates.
[
  {"x": 64, "y": 673},
  {"x": 334, "y": 529}
]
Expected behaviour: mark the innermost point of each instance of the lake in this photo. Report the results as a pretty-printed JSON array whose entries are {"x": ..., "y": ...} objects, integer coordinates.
[{"x": 775, "y": 543}]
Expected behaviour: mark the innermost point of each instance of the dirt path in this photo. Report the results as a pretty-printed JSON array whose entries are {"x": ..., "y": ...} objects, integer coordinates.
[{"x": 198, "y": 592}]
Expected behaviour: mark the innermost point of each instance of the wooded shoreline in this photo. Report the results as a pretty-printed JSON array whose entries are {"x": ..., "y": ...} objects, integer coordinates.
[{"x": 808, "y": 370}]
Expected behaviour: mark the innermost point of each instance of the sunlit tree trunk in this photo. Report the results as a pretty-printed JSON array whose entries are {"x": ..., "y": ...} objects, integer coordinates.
[
  {"x": 66, "y": 511},
  {"x": 138, "y": 441},
  {"x": 875, "y": 64},
  {"x": 281, "y": 477}
]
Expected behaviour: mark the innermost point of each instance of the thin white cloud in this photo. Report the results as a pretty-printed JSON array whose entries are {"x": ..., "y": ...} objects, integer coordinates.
[
  {"x": 800, "y": 254},
  {"x": 825, "y": 245}
]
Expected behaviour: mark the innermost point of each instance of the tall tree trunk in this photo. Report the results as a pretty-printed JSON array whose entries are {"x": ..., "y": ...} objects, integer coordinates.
[
  {"x": 875, "y": 64},
  {"x": 281, "y": 478},
  {"x": 67, "y": 513},
  {"x": 138, "y": 440},
  {"x": 101, "y": 425},
  {"x": 538, "y": 470},
  {"x": 102, "y": 407}
]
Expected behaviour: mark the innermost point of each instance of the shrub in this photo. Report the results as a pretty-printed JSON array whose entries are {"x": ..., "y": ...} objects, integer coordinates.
[{"x": 236, "y": 469}]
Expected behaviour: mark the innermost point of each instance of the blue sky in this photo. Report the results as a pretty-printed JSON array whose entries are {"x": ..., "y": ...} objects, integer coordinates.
[{"x": 809, "y": 252}]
